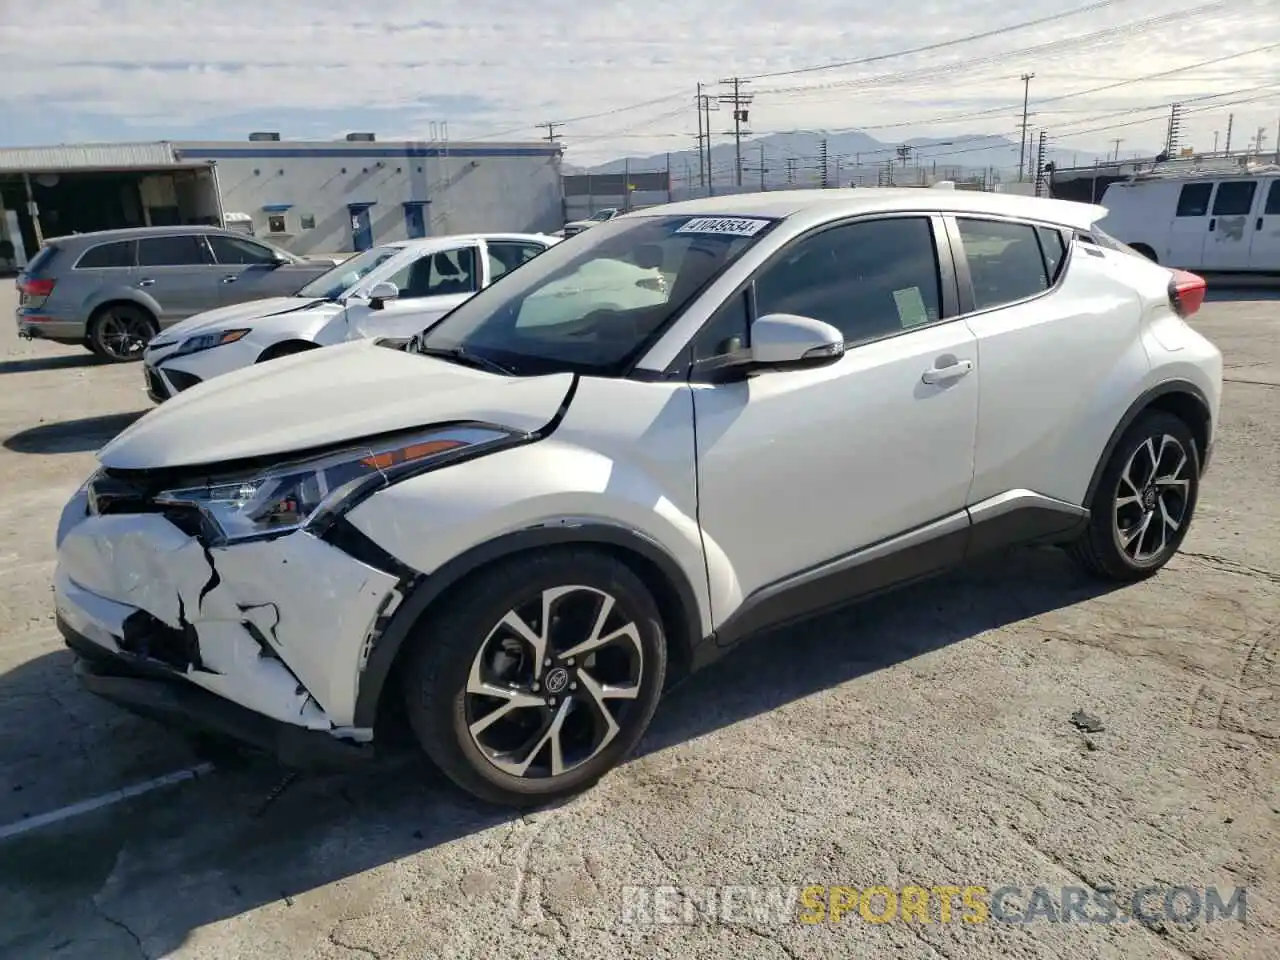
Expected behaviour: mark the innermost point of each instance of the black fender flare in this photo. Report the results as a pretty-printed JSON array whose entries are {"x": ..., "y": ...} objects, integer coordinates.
[
  {"x": 428, "y": 589},
  {"x": 1135, "y": 410}
]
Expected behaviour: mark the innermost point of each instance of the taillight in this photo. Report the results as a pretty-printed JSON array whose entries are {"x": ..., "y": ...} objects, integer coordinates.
[
  {"x": 1186, "y": 292},
  {"x": 36, "y": 288}
]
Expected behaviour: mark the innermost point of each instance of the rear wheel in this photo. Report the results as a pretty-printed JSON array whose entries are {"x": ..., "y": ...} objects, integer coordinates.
[
  {"x": 538, "y": 677},
  {"x": 119, "y": 332},
  {"x": 1144, "y": 501}
]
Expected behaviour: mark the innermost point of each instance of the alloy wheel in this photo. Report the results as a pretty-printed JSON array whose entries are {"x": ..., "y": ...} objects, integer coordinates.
[
  {"x": 1152, "y": 498},
  {"x": 552, "y": 683},
  {"x": 123, "y": 336}
]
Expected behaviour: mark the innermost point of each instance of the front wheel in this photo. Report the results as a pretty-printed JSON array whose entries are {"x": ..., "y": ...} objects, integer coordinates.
[
  {"x": 538, "y": 677},
  {"x": 1144, "y": 500}
]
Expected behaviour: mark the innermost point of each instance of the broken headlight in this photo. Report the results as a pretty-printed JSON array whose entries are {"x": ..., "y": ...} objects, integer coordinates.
[{"x": 312, "y": 493}]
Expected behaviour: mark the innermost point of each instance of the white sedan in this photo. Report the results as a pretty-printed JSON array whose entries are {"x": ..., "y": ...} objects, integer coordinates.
[{"x": 392, "y": 290}]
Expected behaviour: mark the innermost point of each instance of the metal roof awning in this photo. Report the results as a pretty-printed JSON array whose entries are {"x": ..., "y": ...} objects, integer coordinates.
[{"x": 92, "y": 156}]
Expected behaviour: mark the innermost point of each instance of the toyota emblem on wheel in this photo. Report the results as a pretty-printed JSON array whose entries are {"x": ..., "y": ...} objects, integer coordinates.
[{"x": 557, "y": 680}]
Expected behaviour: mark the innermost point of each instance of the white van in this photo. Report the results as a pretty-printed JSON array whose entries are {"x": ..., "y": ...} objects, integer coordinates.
[{"x": 1208, "y": 222}]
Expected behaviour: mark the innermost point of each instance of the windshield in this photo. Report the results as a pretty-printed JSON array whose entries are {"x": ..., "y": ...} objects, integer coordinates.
[
  {"x": 334, "y": 283},
  {"x": 594, "y": 305},
  {"x": 602, "y": 215}
]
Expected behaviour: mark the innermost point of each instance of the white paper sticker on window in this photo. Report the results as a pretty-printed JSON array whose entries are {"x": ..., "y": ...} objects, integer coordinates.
[
  {"x": 911, "y": 309},
  {"x": 728, "y": 226}
]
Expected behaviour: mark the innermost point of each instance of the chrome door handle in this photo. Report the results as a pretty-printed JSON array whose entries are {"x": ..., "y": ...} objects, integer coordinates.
[
  {"x": 146, "y": 283},
  {"x": 230, "y": 279},
  {"x": 952, "y": 371}
]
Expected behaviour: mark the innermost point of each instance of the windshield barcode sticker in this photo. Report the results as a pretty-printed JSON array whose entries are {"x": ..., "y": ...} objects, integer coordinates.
[{"x": 728, "y": 226}]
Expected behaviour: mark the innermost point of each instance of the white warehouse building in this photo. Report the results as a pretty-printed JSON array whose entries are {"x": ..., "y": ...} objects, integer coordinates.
[{"x": 307, "y": 196}]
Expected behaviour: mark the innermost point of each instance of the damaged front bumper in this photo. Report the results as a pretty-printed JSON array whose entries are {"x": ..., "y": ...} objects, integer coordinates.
[{"x": 263, "y": 641}]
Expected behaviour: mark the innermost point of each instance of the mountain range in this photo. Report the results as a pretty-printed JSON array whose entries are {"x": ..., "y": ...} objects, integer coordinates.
[{"x": 852, "y": 154}]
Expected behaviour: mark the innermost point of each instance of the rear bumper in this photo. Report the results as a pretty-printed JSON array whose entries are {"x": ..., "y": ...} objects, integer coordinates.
[
  {"x": 155, "y": 692},
  {"x": 35, "y": 325}
]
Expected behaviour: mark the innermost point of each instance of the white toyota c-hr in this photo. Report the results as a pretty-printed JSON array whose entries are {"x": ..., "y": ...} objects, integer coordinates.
[{"x": 680, "y": 428}]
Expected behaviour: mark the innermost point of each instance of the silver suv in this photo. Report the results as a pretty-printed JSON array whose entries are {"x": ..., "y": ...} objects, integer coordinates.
[{"x": 112, "y": 291}]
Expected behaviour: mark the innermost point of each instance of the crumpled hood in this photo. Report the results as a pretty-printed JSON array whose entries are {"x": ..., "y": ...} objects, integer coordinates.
[
  {"x": 326, "y": 396},
  {"x": 237, "y": 314}
]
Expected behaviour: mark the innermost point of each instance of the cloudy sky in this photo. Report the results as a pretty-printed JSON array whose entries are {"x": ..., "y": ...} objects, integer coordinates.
[{"x": 621, "y": 76}]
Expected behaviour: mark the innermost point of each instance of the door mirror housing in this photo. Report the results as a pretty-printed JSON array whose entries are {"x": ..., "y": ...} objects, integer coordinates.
[
  {"x": 786, "y": 341},
  {"x": 381, "y": 292}
]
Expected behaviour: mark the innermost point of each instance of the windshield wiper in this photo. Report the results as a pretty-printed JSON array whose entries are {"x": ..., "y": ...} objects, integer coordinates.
[{"x": 460, "y": 355}]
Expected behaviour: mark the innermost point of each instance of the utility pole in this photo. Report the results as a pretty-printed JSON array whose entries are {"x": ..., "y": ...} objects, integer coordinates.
[
  {"x": 904, "y": 154},
  {"x": 1116, "y": 142},
  {"x": 1257, "y": 141},
  {"x": 697, "y": 103},
  {"x": 668, "y": 176},
  {"x": 551, "y": 130},
  {"x": 1231, "y": 119},
  {"x": 1215, "y": 141},
  {"x": 1022, "y": 146},
  {"x": 822, "y": 163},
  {"x": 706, "y": 108},
  {"x": 791, "y": 170},
  {"x": 740, "y": 103},
  {"x": 762, "y": 186}
]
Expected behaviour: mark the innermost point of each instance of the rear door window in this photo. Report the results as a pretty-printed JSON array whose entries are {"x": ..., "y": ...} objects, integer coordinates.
[
  {"x": 1273, "y": 200},
  {"x": 1234, "y": 198},
  {"x": 506, "y": 255},
  {"x": 179, "y": 250},
  {"x": 118, "y": 254},
  {"x": 1193, "y": 201},
  {"x": 1005, "y": 263}
]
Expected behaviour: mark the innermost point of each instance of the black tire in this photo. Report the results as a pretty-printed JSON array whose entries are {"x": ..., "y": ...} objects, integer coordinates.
[
  {"x": 1126, "y": 496},
  {"x": 286, "y": 349},
  {"x": 119, "y": 332},
  {"x": 466, "y": 634}
]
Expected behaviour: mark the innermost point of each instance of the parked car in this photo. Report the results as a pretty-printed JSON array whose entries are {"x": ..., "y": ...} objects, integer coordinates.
[
  {"x": 1211, "y": 221},
  {"x": 113, "y": 290},
  {"x": 394, "y": 290},
  {"x": 529, "y": 523},
  {"x": 600, "y": 216}
]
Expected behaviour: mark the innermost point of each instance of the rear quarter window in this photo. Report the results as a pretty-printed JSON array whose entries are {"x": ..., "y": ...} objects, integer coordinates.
[
  {"x": 41, "y": 260},
  {"x": 118, "y": 254}
]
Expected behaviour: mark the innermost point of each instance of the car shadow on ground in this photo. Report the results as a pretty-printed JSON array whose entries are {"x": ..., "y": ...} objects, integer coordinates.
[
  {"x": 71, "y": 436},
  {"x": 168, "y": 863},
  {"x": 60, "y": 362}
]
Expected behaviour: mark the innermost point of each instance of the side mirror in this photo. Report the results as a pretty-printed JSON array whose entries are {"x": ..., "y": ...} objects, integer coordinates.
[
  {"x": 279, "y": 261},
  {"x": 790, "y": 342},
  {"x": 381, "y": 292}
]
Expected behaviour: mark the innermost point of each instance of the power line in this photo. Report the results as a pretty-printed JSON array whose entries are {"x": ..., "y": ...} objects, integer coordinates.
[
  {"x": 931, "y": 72},
  {"x": 929, "y": 48},
  {"x": 1119, "y": 29}
]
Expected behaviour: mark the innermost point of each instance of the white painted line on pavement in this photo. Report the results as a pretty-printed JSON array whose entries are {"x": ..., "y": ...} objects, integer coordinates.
[{"x": 27, "y": 824}]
